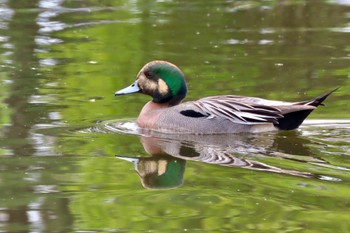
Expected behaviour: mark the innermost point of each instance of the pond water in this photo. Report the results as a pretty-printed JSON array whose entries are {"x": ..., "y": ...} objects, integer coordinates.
[{"x": 73, "y": 160}]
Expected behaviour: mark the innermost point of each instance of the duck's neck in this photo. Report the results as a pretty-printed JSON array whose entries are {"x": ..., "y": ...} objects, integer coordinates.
[
  {"x": 151, "y": 106},
  {"x": 148, "y": 115}
]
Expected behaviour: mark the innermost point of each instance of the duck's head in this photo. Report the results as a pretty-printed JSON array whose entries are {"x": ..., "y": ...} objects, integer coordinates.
[{"x": 160, "y": 79}]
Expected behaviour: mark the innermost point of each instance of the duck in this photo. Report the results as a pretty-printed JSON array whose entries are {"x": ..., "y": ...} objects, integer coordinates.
[{"x": 222, "y": 114}]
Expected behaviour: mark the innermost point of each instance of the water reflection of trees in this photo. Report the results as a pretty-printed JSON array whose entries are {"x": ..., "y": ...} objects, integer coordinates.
[{"x": 32, "y": 211}]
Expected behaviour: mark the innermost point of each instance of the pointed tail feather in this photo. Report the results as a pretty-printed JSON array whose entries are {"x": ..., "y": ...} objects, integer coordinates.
[
  {"x": 318, "y": 100},
  {"x": 293, "y": 120}
]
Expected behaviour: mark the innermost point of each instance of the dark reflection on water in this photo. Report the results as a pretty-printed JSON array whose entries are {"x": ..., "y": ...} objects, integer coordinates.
[
  {"x": 237, "y": 150},
  {"x": 22, "y": 30}
]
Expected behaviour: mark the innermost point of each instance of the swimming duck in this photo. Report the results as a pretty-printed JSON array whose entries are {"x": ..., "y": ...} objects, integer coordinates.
[{"x": 222, "y": 114}]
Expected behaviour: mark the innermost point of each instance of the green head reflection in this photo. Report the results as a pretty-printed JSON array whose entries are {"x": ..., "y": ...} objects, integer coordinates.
[{"x": 159, "y": 172}]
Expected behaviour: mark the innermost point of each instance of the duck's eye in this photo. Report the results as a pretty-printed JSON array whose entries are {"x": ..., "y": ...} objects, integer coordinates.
[{"x": 148, "y": 74}]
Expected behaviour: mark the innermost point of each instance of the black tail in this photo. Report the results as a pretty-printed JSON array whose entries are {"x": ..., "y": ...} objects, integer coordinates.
[{"x": 292, "y": 120}]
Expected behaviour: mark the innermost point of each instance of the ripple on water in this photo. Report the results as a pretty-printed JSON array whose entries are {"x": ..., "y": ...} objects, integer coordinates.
[
  {"x": 334, "y": 135},
  {"x": 115, "y": 126},
  {"x": 128, "y": 127},
  {"x": 332, "y": 129}
]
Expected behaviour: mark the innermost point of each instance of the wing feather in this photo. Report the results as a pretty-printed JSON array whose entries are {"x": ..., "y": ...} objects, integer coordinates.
[{"x": 237, "y": 109}]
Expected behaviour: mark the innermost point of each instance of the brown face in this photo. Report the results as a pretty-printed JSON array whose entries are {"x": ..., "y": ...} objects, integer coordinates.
[{"x": 152, "y": 84}]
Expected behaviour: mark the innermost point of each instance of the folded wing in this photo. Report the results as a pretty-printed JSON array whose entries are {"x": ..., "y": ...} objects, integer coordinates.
[{"x": 238, "y": 110}]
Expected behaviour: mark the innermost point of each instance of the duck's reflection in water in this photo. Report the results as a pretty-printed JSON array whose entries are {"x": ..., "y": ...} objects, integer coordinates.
[
  {"x": 159, "y": 171},
  {"x": 165, "y": 168}
]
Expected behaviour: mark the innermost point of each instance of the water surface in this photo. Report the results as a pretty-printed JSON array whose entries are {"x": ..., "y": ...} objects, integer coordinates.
[{"x": 63, "y": 168}]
